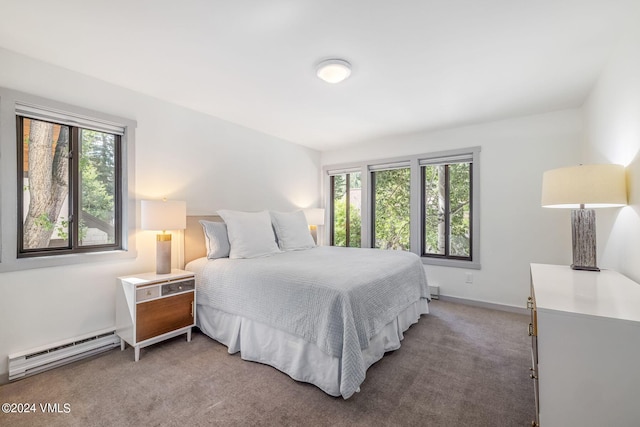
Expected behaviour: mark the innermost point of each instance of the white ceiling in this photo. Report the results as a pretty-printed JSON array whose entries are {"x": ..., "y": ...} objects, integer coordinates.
[{"x": 417, "y": 64}]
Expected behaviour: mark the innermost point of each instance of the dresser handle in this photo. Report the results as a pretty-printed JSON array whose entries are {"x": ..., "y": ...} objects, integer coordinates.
[
  {"x": 533, "y": 376},
  {"x": 530, "y": 329},
  {"x": 530, "y": 304},
  {"x": 191, "y": 308}
]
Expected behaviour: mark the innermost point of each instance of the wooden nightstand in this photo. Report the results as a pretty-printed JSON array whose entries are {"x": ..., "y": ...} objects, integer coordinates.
[{"x": 152, "y": 307}]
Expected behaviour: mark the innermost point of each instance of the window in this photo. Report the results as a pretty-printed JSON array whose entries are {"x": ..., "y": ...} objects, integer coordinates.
[
  {"x": 67, "y": 175},
  {"x": 391, "y": 209},
  {"x": 446, "y": 223},
  {"x": 345, "y": 226},
  {"x": 70, "y": 196},
  {"x": 426, "y": 204}
]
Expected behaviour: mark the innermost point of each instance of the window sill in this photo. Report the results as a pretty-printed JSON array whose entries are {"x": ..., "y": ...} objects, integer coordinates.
[
  {"x": 61, "y": 260},
  {"x": 471, "y": 265}
]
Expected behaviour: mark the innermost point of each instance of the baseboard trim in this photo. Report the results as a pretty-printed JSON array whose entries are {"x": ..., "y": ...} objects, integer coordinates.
[{"x": 485, "y": 304}]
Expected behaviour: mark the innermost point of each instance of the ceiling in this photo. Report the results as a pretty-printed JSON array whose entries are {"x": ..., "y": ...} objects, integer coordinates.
[{"x": 418, "y": 65}]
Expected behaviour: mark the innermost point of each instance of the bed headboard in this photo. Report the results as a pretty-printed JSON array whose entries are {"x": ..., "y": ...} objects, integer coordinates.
[{"x": 194, "y": 244}]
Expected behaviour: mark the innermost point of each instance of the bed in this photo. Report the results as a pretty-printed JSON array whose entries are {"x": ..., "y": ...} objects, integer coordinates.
[{"x": 322, "y": 315}]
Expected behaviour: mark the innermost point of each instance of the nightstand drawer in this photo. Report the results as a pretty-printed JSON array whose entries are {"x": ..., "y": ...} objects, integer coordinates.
[
  {"x": 176, "y": 287},
  {"x": 143, "y": 294}
]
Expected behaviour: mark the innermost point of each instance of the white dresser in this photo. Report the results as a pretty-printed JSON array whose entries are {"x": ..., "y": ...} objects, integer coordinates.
[{"x": 585, "y": 347}]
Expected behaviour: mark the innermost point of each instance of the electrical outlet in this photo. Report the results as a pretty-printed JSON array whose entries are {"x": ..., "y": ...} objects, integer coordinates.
[{"x": 469, "y": 278}]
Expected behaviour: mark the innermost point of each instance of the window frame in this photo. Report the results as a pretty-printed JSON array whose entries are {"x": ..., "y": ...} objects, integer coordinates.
[
  {"x": 415, "y": 163},
  {"x": 373, "y": 170},
  {"x": 331, "y": 204},
  {"x": 447, "y": 219},
  {"x": 332, "y": 214},
  {"x": 12, "y": 101},
  {"x": 74, "y": 209}
]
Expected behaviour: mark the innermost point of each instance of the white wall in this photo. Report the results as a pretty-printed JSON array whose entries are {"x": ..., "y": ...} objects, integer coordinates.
[
  {"x": 514, "y": 229},
  {"x": 180, "y": 154},
  {"x": 612, "y": 135}
]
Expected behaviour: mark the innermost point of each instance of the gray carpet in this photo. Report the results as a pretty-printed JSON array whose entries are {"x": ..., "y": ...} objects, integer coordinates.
[{"x": 459, "y": 366}]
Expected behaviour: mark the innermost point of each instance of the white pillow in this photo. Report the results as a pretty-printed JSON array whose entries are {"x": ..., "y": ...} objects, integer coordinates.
[
  {"x": 250, "y": 234},
  {"x": 292, "y": 231},
  {"x": 215, "y": 234}
]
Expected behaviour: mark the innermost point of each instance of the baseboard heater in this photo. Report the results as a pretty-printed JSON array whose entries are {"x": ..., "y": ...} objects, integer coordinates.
[
  {"x": 434, "y": 291},
  {"x": 47, "y": 357}
]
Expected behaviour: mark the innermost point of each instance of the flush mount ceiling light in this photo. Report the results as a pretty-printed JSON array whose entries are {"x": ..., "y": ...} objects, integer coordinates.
[{"x": 333, "y": 70}]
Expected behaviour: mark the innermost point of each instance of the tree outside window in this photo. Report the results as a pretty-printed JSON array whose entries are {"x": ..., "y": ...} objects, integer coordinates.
[
  {"x": 70, "y": 188},
  {"x": 391, "y": 208},
  {"x": 425, "y": 203},
  {"x": 346, "y": 190},
  {"x": 447, "y": 210}
]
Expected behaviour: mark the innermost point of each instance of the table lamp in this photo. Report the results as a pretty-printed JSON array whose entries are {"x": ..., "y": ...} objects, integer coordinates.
[
  {"x": 163, "y": 215},
  {"x": 583, "y": 188},
  {"x": 315, "y": 217}
]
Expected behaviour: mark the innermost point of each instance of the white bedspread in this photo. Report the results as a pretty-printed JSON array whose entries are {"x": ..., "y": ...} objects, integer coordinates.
[{"x": 337, "y": 298}]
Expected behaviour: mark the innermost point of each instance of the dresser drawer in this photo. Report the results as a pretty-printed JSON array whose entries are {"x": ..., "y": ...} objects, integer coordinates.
[
  {"x": 149, "y": 292},
  {"x": 176, "y": 287}
]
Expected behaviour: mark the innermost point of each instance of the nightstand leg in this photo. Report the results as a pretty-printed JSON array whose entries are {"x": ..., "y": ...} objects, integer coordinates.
[
  {"x": 137, "y": 352},
  {"x": 122, "y": 344},
  {"x": 189, "y": 335}
]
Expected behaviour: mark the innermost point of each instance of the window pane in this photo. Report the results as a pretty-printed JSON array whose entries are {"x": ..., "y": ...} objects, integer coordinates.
[
  {"x": 434, "y": 209},
  {"x": 97, "y": 169},
  {"x": 45, "y": 185},
  {"x": 339, "y": 210},
  {"x": 355, "y": 191},
  {"x": 448, "y": 236},
  {"x": 391, "y": 208},
  {"x": 346, "y": 209},
  {"x": 460, "y": 209}
]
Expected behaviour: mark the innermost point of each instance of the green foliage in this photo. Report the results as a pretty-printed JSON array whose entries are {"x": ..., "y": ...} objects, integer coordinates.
[
  {"x": 459, "y": 209},
  {"x": 62, "y": 229},
  {"x": 44, "y": 222},
  {"x": 340, "y": 210},
  {"x": 97, "y": 166},
  {"x": 340, "y": 224},
  {"x": 434, "y": 209},
  {"x": 95, "y": 198},
  {"x": 392, "y": 216},
  {"x": 392, "y": 208}
]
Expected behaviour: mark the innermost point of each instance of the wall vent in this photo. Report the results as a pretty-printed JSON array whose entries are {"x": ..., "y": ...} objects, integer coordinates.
[
  {"x": 43, "y": 358},
  {"x": 434, "y": 291}
]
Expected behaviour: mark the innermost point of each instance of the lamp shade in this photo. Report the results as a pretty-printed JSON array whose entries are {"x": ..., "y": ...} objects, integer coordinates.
[
  {"x": 163, "y": 215},
  {"x": 315, "y": 216},
  {"x": 594, "y": 186}
]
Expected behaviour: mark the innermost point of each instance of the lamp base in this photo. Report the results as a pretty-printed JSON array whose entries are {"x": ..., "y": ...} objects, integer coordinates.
[
  {"x": 163, "y": 254},
  {"x": 578, "y": 267},
  {"x": 314, "y": 233},
  {"x": 583, "y": 239}
]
